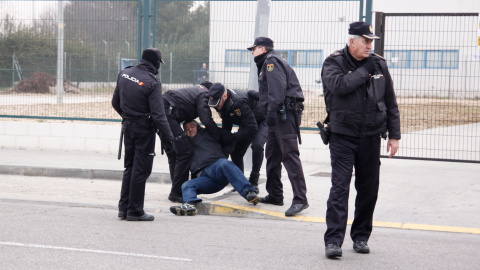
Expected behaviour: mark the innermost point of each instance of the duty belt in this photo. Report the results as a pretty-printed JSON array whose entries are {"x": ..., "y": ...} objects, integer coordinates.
[
  {"x": 125, "y": 116},
  {"x": 293, "y": 107}
]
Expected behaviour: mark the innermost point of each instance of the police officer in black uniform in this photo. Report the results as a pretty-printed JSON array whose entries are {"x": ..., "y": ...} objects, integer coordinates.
[
  {"x": 138, "y": 100},
  {"x": 236, "y": 107},
  {"x": 281, "y": 100},
  {"x": 361, "y": 105},
  {"x": 181, "y": 105}
]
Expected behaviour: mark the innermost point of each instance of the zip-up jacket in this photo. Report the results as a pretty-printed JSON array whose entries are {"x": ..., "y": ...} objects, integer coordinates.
[
  {"x": 138, "y": 96},
  {"x": 240, "y": 110},
  {"x": 190, "y": 103},
  {"x": 206, "y": 150},
  {"x": 358, "y": 103},
  {"x": 277, "y": 83}
]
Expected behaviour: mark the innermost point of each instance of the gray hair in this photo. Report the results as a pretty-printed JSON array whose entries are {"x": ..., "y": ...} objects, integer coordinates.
[
  {"x": 354, "y": 37},
  {"x": 267, "y": 49}
]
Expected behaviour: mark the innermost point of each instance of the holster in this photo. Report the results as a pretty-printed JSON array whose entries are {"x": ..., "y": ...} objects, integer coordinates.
[
  {"x": 297, "y": 108},
  {"x": 324, "y": 131}
]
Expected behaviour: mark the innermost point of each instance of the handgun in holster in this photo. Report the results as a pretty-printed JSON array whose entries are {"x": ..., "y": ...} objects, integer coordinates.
[{"x": 324, "y": 130}]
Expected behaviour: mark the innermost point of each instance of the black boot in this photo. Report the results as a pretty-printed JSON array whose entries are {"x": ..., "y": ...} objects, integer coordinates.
[{"x": 254, "y": 180}]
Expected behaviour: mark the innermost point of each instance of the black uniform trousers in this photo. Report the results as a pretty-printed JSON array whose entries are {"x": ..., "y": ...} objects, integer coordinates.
[
  {"x": 138, "y": 161},
  {"x": 258, "y": 145},
  {"x": 346, "y": 153},
  {"x": 179, "y": 157},
  {"x": 282, "y": 147}
]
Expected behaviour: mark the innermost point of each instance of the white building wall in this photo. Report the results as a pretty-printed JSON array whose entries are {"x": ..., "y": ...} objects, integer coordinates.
[
  {"x": 320, "y": 25},
  {"x": 293, "y": 25},
  {"x": 426, "y": 6}
]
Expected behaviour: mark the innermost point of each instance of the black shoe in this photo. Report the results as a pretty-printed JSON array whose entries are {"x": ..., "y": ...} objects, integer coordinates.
[
  {"x": 269, "y": 200},
  {"x": 184, "y": 209},
  {"x": 175, "y": 198},
  {"x": 295, "y": 209},
  {"x": 122, "y": 215},
  {"x": 144, "y": 217},
  {"x": 333, "y": 250},
  {"x": 252, "y": 197},
  {"x": 361, "y": 247},
  {"x": 254, "y": 180}
]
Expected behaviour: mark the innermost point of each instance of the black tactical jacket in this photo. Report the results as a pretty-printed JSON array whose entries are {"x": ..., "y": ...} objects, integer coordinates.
[
  {"x": 206, "y": 151},
  {"x": 190, "y": 103},
  {"x": 240, "y": 110},
  {"x": 277, "y": 81},
  {"x": 358, "y": 103},
  {"x": 138, "y": 95}
]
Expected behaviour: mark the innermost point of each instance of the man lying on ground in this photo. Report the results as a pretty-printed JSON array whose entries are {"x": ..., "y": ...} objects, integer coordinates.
[{"x": 212, "y": 172}]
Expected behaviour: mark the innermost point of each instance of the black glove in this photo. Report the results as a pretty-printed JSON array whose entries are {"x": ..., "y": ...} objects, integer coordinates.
[
  {"x": 253, "y": 95},
  {"x": 271, "y": 120},
  {"x": 228, "y": 149},
  {"x": 370, "y": 65},
  {"x": 227, "y": 137}
]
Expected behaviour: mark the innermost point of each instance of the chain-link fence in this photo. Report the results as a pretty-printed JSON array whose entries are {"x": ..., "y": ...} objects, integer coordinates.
[
  {"x": 433, "y": 59},
  {"x": 199, "y": 40}
]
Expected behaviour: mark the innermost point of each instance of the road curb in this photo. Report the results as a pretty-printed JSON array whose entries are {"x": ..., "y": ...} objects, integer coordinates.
[{"x": 101, "y": 174}]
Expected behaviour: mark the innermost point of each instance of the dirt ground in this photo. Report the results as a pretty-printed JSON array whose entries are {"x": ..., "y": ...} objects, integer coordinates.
[{"x": 416, "y": 113}]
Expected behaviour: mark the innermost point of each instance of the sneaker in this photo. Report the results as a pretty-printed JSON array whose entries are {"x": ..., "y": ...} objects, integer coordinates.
[
  {"x": 361, "y": 247},
  {"x": 333, "y": 250},
  {"x": 184, "y": 209},
  {"x": 252, "y": 197}
]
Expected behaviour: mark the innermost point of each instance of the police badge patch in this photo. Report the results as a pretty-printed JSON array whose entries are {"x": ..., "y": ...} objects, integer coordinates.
[
  {"x": 238, "y": 112},
  {"x": 269, "y": 67}
]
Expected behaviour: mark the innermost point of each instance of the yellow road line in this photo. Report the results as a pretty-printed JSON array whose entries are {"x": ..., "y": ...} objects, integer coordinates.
[{"x": 228, "y": 209}]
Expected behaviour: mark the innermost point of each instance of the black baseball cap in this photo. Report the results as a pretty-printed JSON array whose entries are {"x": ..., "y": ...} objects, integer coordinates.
[
  {"x": 153, "y": 55},
  {"x": 261, "y": 41},
  {"x": 362, "y": 29},
  {"x": 215, "y": 92}
]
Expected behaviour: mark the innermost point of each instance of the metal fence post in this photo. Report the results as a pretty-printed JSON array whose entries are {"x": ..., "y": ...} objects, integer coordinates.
[
  {"x": 60, "y": 54},
  {"x": 368, "y": 12},
  {"x": 380, "y": 32},
  {"x": 146, "y": 24},
  {"x": 261, "y": 29}
]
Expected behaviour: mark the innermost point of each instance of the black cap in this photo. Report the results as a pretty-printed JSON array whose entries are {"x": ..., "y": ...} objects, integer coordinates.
[
  {"x": 207, "y": 84},
  {"x": 362, "y": 29},
  {"x": 153, "y": 55},
  {"x": 261, "y": 41},
  {"x": 215, "y": 93}
]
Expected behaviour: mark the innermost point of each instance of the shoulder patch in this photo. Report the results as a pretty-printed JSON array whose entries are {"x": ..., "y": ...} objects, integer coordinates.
[
  {"x": 238, "y": 112},
  {"x": 270, "y": 67},
  {"x": 379, "y": 56},
  {"x": 337, "y": 53}
]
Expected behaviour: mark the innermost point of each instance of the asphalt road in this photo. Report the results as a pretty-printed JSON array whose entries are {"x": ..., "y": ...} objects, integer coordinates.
[{"x": 42, "y": 235}]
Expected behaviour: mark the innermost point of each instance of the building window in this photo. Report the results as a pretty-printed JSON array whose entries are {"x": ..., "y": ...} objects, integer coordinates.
[
  {"x": 397, "y": 59},
  {"x": 422, "y": 59},
  {"x": 238, "y": 58},
  {"x": 295, "y": 58}
]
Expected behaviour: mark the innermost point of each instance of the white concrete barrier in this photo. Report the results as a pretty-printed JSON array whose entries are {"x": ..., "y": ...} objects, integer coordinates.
[{"x": 81, "y": 136}]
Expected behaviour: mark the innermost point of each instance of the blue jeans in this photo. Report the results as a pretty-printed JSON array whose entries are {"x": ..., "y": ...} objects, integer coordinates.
[{"x": 214, "y": 178}]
